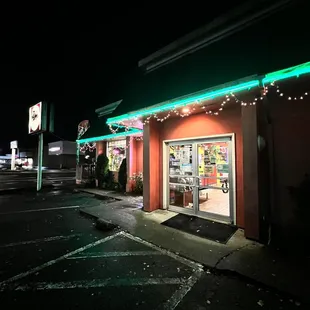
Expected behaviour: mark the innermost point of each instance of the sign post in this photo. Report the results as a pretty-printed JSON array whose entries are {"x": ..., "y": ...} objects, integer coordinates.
[
  {"x": 40, "y": 161},
  {"x": 13, "y": 159},
  {"x": 38, "y": 125},
  {"x": 82, "y": 128},
  {"x": 14, "y": 146}
]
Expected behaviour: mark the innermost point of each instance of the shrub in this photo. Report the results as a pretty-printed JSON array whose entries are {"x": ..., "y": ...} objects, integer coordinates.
[
  {"x": 122, "y": 174},
  {"x": 102, "y": 169},
  {"x": 137, "y": 186}
]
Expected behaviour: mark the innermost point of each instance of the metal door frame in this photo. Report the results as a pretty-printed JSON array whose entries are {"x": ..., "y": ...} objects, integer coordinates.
[{"x": 232, "y": 176}]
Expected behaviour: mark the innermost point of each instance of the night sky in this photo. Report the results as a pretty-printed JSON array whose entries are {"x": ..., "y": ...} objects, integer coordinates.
[{"x": 80, "y": 58}]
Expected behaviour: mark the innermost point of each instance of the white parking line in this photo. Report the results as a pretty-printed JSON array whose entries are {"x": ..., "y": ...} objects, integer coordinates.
[
  {"x": 39, "y": 210},
  {"x": 179, "y": 294},
  {"x": 185, "y": 285},
  {"x": 86, "y": 284},
  {"x": 116, "y": 254},
  {"x": 22, "y": 275},
  {"x": 48, "y": 239},
  {"x": 183, "y": 260}
]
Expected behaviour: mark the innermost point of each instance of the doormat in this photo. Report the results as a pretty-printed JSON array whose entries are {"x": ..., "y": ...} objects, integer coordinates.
[{"x": 203, "y": 228}]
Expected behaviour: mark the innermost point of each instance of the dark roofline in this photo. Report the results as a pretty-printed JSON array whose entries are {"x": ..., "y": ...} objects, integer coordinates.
[
  {"x": 218, "y": 29},
  {"x": 108, "y": 109}
]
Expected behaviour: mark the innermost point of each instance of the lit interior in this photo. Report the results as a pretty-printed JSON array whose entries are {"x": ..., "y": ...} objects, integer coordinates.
[{"x": 116, "y": 152}]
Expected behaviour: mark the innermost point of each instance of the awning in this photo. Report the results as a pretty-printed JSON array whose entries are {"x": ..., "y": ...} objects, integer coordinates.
[{"x": 122, "y": 133}]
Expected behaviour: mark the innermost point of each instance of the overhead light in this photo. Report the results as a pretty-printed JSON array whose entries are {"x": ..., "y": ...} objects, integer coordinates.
[{"x": 185, "y": 110}]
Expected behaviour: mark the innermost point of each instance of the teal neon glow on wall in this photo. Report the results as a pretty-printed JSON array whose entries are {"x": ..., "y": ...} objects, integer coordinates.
[
  {"x": 184, "y": 102},
  {"x": 111, "y": 136},
  {"x": 287, "y": 73}
]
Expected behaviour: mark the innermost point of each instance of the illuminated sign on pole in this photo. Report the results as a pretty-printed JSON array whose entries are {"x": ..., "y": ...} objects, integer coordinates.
[
  {"x": 14, "y": 145},
  {"x": 37, "y": 118},
  {"x": 37, "y": 124}
]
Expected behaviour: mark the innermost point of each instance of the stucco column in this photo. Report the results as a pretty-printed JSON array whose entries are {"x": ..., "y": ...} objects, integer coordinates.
[
  {"x": 131, "y": 161},
  {"x": 250, "y": 171},
  {"x": 256, "y": 172},
  {"x": 151, "y": 165},
  {"x": 101, "y": 148}
]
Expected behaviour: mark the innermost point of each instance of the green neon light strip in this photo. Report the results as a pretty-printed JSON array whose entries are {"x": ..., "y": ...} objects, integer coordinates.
[
  {"x": 118, "y": 126},
  {"x": 111, "y": 136},
  {"x": 287, "y": 73},
  {"x": 184, "y": 102}
]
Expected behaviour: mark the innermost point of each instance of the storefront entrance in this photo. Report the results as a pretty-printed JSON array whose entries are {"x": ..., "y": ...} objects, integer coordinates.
[{"x": 200, "y": 177}]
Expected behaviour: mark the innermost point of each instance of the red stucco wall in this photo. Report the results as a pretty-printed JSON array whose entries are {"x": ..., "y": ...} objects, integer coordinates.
[
  {"x": 290, "y": 121},
  {"x": 139, "y": 156},
  {"x": 101, "y": 147},
  {"x": 134, "y": 159},
  {"x": 201, "y": 125},
  {"x": 151, "y": 166}
]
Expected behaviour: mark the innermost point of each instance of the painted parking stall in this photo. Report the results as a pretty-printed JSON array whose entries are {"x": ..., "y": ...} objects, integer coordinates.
[{"x": 117, "y": 262}]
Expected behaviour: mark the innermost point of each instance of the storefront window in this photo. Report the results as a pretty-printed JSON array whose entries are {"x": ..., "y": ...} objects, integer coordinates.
[
  {"x": 181, "y": 181},
  {"x": 180, "y": 159},
  {"x": 116, "y": 151}
]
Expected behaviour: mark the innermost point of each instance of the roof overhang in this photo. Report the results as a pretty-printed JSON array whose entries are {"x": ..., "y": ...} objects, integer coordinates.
[
  {"x": 118, "y": 135},
  {"x": 239, "y": 18},
  {"x": 135, "y": 117},
  {"x": 211, "y": 93},
  {"x": 108, "y": 109},
  {"x": 287, "y": 73}
]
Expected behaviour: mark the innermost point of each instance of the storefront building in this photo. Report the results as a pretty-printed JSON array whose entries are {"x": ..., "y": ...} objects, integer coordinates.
[
  {"x": 61, "y": 155},
  {"x": 207, "y": 154},
  {"x": 23, "y": 160},
  {"x": 116, "y": 142},
  {"x": 210, "y": 120}
]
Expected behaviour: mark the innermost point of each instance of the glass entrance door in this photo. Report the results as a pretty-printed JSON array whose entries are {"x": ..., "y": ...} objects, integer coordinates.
[
  {"x": 200, "y": 178},
  {"x": 182, "y": 177},
  {"x": 214, "y": 179}
]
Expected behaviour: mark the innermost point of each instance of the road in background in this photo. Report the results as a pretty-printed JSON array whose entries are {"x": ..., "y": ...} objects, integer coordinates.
[{"x": 28, "y": 179}]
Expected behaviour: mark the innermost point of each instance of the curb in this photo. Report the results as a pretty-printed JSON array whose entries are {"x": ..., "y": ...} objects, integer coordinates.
[
  {"x": 105, "y": 226},
  {"x": 253, "y": 282},
  {"x": 101, "y": 197},
  {"x": 100, "y": 224},
  {"x": 88, "y": 215}
]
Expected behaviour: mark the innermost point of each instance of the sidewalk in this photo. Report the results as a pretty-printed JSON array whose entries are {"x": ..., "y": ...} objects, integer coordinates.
[{"x": 241, "y": 257}]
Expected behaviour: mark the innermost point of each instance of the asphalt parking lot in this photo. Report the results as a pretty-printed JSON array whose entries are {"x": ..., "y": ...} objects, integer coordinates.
[
  {"x": 115, "y": 272},
  {"x": 51, "y": 256}
]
